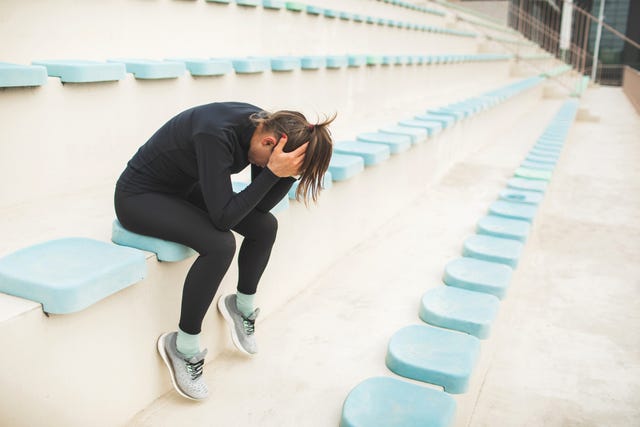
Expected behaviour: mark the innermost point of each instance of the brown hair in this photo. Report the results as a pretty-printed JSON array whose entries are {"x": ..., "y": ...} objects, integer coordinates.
[{"x": 299, "y": 131}]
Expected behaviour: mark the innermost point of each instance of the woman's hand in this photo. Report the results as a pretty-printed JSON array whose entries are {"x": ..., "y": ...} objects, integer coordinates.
[{"x": 286, "y": 164}]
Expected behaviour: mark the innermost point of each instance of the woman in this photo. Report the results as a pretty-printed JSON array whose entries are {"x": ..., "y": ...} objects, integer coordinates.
[{"x": 177, "y": 187}]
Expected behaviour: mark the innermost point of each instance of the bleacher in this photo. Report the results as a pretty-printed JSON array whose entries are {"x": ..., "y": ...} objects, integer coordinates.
[{"x": 83, "y": 84}]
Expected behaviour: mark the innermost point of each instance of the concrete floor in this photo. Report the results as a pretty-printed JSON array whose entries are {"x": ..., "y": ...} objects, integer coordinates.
[{"x": 565, "y": 350}]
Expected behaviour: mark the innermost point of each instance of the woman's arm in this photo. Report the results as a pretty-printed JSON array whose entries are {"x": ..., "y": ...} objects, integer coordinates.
[{"x": 226, "y": 209}]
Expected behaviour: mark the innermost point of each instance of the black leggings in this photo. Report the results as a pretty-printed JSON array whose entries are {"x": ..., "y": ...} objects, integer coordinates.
[{"x": 186, "y": 221}]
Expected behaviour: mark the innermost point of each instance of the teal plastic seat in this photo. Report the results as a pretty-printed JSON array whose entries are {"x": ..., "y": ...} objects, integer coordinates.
[
  {"x": 540, "y": 160},
  {"x": 343, "y": 166},
  {"x": 16, "y": 75},
  {"x": 75, "y": 71},
  {"x": 533, "y": 174},
  {"x": 314, "y": 10},
  {"x": 313, "y": 62},
  {"x": 337, "y": 61},
  {"x": 521, "y": 211},
  {"x": 164, "y": 250},
  {"x": 248, "y": 3},
  {"x": 282, "y": 205},
  {"x": 386, "y": 402},
  {"x": 330, "y": 13},
  {"x": 395, "y": 143},
  {"x": 444, "y": 120},
  {"x": 372, "y": 154},
  {"x": 494, "y": 249},
  {"x": 206, "y": 67},
  {"x": 527, "y": 184},
  {"x": 71, "y": 274},
  {"x": 374, "y": 59},
  {"x": 417, "y": 135},
  {"x": 459, "y": 309},
  {"x": 273, "y": 4},
  {"x": 294, "y": 6},
  {"x": 507, "y": 228},
  {"x": 285, "y": 63},
  {"x": 457, "y": 115},
  {"x": 552, "y": 149},
  {"x": 478, "y": 275},
  {"x": 345, "y": 16},
  {"x": 521, "y": 196},
  {"x": 432, "y": 355},
  {"x": 356, "y": 60},
  {"x": 358, "y": 17},
  {"x": 431, "y": 127},
  {"x": 537, "y": 165},
  {"x": 251, "y": 65},
  {"x": 152, "y": 69},
  {"x": 544, "y": 154}
]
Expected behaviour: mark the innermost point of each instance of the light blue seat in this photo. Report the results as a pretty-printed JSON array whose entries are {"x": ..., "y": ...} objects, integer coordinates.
[
  {"x": 521, "y": 211},
  {"x": 494, "y": 249},
  {"x": 152, "y": 69},
  {"x": 395, "y": 143},
  {"x": 507, "y": 228},
  {"x": 548, "y": 148},
  {"x": 537, "y": 165},
  {"x": 282, "y": 205},
  {"x": 543, "y": 160},
  {"x": 294, "y": 6},
  {"x": 444, "y": 120},
  {"x": 544, "y": 154},
  {"x": 164, "y": 250},
  {"x": 527, "y": 184},
  {"x": 330, "y": 13},
  {"x": 337, "y": 61},
  {"x": 285, "y": 63},
  {"x": 357, "y": 17},
  {"x": 356, "y": 60},
  {"x": 388, "y": 60},
  {"x": 251, "y": 65},
  {"x": 74, "y": 71},
  {"x": 248, "y": 3},
  {"x": 313, "y": 62},
  {"x": 327, "y": 183},
  {"x": 15, "y": 75},
  {"x": 437, "y": 356},
  {"x": 521, "y": 196},
  {"x": 374, "y": 59},
  {"x": 206, "y": 67},
  {"x": 459, "y": 309},
  {"x": 478, "y": 275},
  {"x": 68, "y": 275},
  {"x": 218, "y": 1},
  {"x": 534, "y": 174},
  {"x": 387, "y": 402},
  {"x": 345, "y": 16},
  {"x": 457, "y": 115},
  {"x": 343, "y": 166},
  {"x": 431, "y": 127},
  {"x": 314, "y": 10},
  {"x": 417, "y": 135},
  {"x": 372, "y": 154},
  {"x": 273, "y": 4}
]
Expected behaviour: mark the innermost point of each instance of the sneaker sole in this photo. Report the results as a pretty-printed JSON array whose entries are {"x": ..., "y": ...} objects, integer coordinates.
[
  {"x": 167, "y": 361},
  {"x": 222, "y": 307}
]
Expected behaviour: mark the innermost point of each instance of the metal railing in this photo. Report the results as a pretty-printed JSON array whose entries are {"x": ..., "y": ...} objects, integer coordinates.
[{"x": 540, "y": 22}]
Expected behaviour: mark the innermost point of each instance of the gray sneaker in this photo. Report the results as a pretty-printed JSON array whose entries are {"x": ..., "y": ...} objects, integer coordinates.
[
  {"x": 186, "y": 374},
  {"x": 242, "y": 328}
]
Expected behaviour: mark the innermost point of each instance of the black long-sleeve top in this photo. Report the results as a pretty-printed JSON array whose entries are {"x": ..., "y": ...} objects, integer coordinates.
[{"x": 204, "y": 146}]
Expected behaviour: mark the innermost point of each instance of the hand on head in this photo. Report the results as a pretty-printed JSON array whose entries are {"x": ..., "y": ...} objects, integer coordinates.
[{"x": 286, "y": 164}]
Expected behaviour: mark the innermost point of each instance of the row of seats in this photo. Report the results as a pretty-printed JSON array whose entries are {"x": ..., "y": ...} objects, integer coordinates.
[
  {"x": 458, "y": 314},
  {"x": 315, "y": 10},
  {"x": 68, "y": 275},
  {"x": 76, "y": 71}
]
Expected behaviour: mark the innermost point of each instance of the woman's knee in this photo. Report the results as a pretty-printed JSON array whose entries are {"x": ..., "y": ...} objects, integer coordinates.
[
  {"x": 220, "y": 244},
  {"x": 266, "y": 227}
]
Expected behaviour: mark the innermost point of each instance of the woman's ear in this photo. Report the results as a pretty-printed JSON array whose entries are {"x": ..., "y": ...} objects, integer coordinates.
[{"x": 269, "y": 141}]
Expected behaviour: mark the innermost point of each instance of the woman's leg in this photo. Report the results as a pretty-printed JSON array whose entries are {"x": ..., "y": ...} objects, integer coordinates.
[
  {"x": 172, "y": 218},
  {"x": 259, "y": 230}
]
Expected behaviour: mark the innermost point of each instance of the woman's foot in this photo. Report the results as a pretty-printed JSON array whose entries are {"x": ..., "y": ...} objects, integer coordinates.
[
  {"x": 186, "y": 373},
  {"x": 242, "y": 328}
]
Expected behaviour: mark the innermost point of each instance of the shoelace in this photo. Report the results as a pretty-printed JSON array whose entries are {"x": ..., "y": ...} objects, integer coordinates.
[
  {"x": 249, "y": 326},
  {"x": 195, "y": 369}
]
